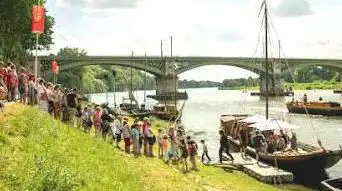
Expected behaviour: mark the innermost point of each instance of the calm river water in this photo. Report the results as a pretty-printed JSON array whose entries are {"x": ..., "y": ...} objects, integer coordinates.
[{"x": 205, "y": 106}]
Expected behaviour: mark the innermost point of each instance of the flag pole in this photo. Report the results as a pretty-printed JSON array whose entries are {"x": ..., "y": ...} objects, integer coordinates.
[{"x": 36, "y": 59}]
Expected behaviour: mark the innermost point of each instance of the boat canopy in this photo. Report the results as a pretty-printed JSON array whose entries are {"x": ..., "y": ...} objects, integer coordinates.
[
  {"x": 255, "y": 119},
  {"x": 273, "y": 124}
]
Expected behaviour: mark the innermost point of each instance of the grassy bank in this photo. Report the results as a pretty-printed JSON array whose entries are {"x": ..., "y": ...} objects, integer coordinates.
[
  {"x": 39, "y": 153},
  {"x": 256, "y": 88},
  {"x": 315, "y": 85},
  {"x": 326, "y": 85}
]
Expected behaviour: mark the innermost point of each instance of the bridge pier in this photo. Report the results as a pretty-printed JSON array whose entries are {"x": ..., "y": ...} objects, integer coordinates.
[
  {"x": 275, "y": 86},
  {"x": 166, "y": 89}
]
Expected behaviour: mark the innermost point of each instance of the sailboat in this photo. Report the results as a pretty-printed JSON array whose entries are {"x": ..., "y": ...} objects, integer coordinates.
[
  {"x": 304, "y": 159},
  {"x": 127, "y": 103},
  {"x": 167, "y": 111}
]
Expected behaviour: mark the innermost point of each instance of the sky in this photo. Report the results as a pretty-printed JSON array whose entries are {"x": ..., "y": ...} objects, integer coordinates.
[{"x": 227, "y": 28}]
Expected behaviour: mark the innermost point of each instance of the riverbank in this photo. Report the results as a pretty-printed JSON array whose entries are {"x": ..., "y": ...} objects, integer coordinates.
[
  {"x": 297, "y": 86},
  {"x": 40, "y": 153}
]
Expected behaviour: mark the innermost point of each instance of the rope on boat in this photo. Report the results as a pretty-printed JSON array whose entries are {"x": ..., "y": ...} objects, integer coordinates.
[{"x": 305, "y": 108}]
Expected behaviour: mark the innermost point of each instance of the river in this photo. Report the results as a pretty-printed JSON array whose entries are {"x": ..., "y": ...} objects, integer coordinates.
[{"x": 205, "y": 106}]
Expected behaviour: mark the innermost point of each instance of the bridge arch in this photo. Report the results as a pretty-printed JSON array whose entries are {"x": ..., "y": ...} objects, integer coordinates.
[
  {"x": 134, "y": 65},
  {"x": 256, "y": 68}
]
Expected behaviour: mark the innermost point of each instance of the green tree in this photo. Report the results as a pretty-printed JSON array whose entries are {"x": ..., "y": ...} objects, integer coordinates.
[
  {"x": 16, "y": 39},
  {"x": 95, "y": 78}
]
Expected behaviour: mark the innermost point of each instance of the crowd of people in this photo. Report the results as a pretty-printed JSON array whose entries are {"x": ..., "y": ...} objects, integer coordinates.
[{"x": 65, "y": 105}]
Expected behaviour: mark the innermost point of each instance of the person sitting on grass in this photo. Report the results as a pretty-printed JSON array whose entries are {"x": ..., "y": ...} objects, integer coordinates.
[{"x": 205, "y": 151}]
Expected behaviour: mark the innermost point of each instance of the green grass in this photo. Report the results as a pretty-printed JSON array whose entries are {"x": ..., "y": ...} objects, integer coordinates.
[
  {"x": 319, "y": 85},
  {"x": 39, "y": 153},
  {"x": 240, "y": 88}
]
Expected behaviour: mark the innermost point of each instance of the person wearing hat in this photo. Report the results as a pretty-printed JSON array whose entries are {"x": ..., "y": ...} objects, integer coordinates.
[
  {"x": 144, "y": 127},
  {"x": 97, "y": 120},
  {"x": 259, "y": 142},
  {"x": 126, "y": 133},
  {"x": 117, "y": 130}
]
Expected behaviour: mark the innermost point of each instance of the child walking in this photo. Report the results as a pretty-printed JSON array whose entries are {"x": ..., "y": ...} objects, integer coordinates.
[
  {"x": 160, "y": 144},
  {"x": 193, "y": 152},
  {"x": 205, "y": 151}
]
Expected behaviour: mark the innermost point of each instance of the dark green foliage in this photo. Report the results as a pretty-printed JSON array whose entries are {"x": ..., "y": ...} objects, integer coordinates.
[
  {"x": 16, "y": 39},
  {"x": 197, "y": 84},
  {"x": 95, "y": 79},
  {"x": 310, "y": 74}
]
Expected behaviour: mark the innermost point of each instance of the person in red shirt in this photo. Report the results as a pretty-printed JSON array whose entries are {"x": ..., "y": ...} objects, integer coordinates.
[
  {"x": 13, "y": 83},
  {"x": 3, "y": 85}
]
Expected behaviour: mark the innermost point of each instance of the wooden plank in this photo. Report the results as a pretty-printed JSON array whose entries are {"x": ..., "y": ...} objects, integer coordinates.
[{"x": 261, "y": 171}]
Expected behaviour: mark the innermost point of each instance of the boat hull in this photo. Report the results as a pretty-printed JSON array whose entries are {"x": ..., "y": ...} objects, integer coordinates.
[
  {"x": 170, "y": 96},
  {"x": 165, "y": 116},
  {"x": 140, "y": 114},
  {"x": 273, "y": 95},
  {"x": 332, "y": 184},
  {"x": 315, "y": 111},
  {"x": 337, "y": 91},
  {"x": 315, "y": 162}
]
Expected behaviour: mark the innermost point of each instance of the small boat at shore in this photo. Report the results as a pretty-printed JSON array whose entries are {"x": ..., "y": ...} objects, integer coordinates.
[
  {"x": 166, "y": 112},
  {"x": 334, "y": 184},
  {"x": 287, "y": 93},
  {"x": 337, "y": 91},
  {"x": 315, "y": 108},
  {"x": 307, "y": 158}
]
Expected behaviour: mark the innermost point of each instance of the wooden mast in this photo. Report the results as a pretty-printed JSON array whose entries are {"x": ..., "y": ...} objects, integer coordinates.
[
  {"x": 145, "y": 81},
  {"x": 266, "y": 56},
  {"x": 175, "y": 78},
  {"x": 131, "y": 88},
  {"x": 164, "y": 64}
]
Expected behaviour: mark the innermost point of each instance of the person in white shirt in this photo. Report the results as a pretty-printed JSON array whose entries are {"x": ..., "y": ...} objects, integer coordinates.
[
  {"x": 117, "y": 130},
  {"x": 205, "y": 151},
  {"x": 42, "y": 96}
]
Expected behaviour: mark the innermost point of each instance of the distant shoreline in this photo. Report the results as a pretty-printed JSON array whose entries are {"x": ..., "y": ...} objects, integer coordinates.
[{"x": 296, "y": 86}]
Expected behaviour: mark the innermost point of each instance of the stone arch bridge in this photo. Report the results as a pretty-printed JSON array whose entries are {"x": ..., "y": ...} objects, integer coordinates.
[{"x": 164, "y": 68}]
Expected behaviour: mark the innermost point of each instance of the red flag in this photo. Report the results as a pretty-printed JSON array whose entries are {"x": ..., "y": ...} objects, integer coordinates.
[
  {"x": 38, "y": 19},
  {"x": 54, "y": 66}
]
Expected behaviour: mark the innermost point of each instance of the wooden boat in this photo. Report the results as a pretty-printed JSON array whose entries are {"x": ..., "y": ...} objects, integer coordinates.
[
  {"x": 140, "y": 113},
  {"x": 337, "y": 91},
  {"x": 315, "y": 108},
  {"x": 165, "y": 112},
  {"x": 307, "y": 159},
  {"x": 170, "y": 96},
  {"x": 334, "y": 184},
  {"x": 288, "y": 93},
  {"x": 127, "y": 105}
]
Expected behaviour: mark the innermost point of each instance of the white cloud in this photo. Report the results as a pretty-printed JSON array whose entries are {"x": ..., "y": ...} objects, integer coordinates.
[
  {"x": 293, "y": 8},
  {"x": 199, "y": 27},
  {"x": 100, "y": 4}
]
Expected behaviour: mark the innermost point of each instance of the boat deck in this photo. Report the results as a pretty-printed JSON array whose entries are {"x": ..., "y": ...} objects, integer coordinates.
[{"x": 262, "y": 172}]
